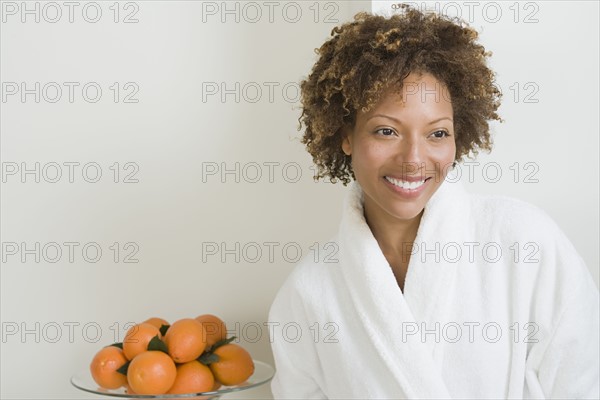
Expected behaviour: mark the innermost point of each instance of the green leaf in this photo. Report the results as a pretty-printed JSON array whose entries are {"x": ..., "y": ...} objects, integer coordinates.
[
  {"x": 119, "y": 345},
  {"x": 157, "y": 345},
  {"x": 221, "y": 343},
  {"x": 123, "y": 368},
  {"x": 208, "y": 358},
  {"x": 163, "y": 329}
]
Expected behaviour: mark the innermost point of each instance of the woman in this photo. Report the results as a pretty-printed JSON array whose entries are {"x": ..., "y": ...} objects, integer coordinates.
[{"x": 434, "y": 293}]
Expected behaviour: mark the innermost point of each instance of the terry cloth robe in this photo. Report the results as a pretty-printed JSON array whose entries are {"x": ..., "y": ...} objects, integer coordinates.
[{"x": 497, "y": 304}]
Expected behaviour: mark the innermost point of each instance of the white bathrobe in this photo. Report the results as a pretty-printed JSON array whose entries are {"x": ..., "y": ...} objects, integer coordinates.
[{"x": 497, "y": 304}]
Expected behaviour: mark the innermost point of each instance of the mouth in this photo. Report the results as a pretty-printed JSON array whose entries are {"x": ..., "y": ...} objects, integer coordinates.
[{"x": 407, "y": 183}]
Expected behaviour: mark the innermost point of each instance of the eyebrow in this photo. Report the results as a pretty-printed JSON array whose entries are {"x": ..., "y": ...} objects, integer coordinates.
[{"x": 400, "y": 122}]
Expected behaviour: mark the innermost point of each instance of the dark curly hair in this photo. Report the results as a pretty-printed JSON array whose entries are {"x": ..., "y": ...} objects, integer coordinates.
[{"x": 373, "y": 53}]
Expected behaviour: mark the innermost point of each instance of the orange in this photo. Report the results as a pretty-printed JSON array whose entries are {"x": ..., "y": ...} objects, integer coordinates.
[
  {"x": 235, "y": 365},
  {"x": 157, "y": 322},
  {"x": 186, "y": 340},
  {"x": 151, "y": 372},
  {"x": 216, "y": 386},
  {"x": 137, "y": 339},
  {"x": 215, "y": 328},
  {"x": 192, "y": 377},
  {"x": 128, "y": 389},
  {"x": 104, "y": 368}
]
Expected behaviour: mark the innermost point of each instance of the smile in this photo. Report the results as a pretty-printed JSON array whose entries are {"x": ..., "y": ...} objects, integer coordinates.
[{"x": 404, "y": 184}]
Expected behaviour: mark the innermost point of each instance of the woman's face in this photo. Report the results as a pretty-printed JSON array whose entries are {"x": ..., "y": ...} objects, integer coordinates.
[{"x": 403, "y": 148}]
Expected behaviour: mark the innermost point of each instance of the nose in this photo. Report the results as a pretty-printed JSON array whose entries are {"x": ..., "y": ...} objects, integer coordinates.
[{"x": 409, "y": 155}]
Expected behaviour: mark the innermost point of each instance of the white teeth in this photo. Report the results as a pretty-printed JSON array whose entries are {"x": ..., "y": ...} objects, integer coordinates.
[{"x": 404, "y": 184}]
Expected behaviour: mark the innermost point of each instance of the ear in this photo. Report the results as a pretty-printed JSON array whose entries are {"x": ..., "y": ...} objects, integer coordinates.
[{"x": 347, "y": 140}]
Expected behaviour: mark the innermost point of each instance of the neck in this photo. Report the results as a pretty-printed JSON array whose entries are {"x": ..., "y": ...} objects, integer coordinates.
[{"x": 395, "y": 236}]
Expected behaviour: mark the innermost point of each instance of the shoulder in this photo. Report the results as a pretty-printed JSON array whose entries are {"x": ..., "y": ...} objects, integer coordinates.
[
  {"x": 506, "y": 207},
  {"x": 514, "y": 217},
  {"x": 561, "y": 271},
  {"x": 531, "y": 238},
  {"x": 540, "y": 254}
]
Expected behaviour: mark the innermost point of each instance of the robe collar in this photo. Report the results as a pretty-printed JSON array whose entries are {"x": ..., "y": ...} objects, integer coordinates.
[{"x": 386, "y": 312}]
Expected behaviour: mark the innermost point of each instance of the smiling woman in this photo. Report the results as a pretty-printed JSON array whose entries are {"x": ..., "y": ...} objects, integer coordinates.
[
  {"x": 400, "y": 152},
  {"x": 392, "y": 104}
]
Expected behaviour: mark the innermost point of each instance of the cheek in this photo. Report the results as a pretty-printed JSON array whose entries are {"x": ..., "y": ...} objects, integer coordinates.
[
  {"x": 369, "y": 156},
  {"x": 444, "y": 155}
]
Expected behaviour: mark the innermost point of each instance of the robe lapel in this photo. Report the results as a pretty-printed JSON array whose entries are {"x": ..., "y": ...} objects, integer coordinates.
[
  {"x": 430, "y": 279},
  {"x": 431, "y": 269},
  {"x": 385, "y": 313}
]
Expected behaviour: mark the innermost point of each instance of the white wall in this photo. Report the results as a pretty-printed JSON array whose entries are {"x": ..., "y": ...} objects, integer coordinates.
[{"x": 172, "y": 137}]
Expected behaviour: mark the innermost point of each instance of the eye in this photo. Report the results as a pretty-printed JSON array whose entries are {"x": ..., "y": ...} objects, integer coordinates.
[
  {"x": 385, "y": 131},
  {"x": 440, "y": 134}
]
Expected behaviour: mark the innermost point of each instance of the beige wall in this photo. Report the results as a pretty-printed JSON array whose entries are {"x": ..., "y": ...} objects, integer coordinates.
[{"x": 171, "y": 137}]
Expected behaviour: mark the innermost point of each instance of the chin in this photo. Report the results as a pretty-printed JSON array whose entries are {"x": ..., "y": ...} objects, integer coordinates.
[{"x": 405, "y": 212}]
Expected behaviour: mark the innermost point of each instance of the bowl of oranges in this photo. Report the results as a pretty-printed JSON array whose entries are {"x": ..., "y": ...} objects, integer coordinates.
[{"x": 191, "y": 358}]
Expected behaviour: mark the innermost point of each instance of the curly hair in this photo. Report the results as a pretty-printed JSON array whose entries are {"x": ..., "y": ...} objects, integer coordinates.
[{"x": 373, "y": 53}]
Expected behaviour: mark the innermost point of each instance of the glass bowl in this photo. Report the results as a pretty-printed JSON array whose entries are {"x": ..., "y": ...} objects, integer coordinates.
[{"x": 263, "y": 373}]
